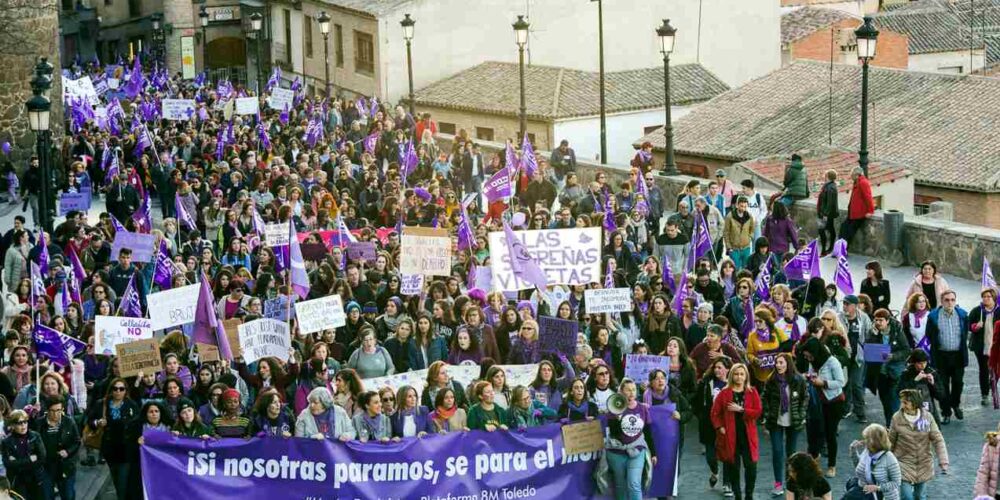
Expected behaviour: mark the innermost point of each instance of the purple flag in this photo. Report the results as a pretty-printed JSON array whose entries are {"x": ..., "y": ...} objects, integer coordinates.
[
  {"x": 374, "y": 105},
  {"x": 299, "y": 278},
  {"x": 498, "y": 187},
  {"x": 609, "y": 279},
  {"x": 748, "y": 320},
  {"x": 143, "y": 221},
  {"x": 410, "y": 160},
  {"x": 682, "y": 293},
  {"x": 64, "y": 295},
  {"x": 842, "y": 277},
  {"x": 78, "y": 271},
  {"x": 73, "y": 285},
  {"x": 220, "y": 145},
  {"x": 37, "y": 283},
  {"x": 43, "y": 254},
  {"x": 609, "y": 219},
  {"x": 528, "y": 160},
  {"x": 763, "y": 282},
  {"x": 510, "y": 160},
  {"x": 370, "y": 142},
  {"x": 987, "y": 280},
  {"x": 49, "y": 345},
  {"x": 466, "y": 238},
  {"x": 118, "y": 227},
  {"x": 668, "y": 277},
  {"x": 275, "y": 78},
  {"x": 131, "y": 305},
  {"x": 523, "y": 264},
  {"x": 805, "y": 264},
  {"x": 361, "y": 105},
  {"x": 163, "y": 272},
  {"x": 701, "y": 242},
  {"x": 72, "y": 346},
  {"x": 283, "y": 117},
  {"x": 314, "y": 132},
  {"x": 207, "y": 327},
  {"x": 182, "y": 214}
]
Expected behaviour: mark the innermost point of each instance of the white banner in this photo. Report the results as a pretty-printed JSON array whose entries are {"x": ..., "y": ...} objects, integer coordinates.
[
  {"x": 173, "y": 307},
  {"x": 463, "y": 374},
  {"x": 425, "y": 251},
  {"x": 608, "y": 300},
  {"x": 83, "y": 87},
  {"x": 567, "y": 256},
  {"x": 246, "y": 106},
  {"x": 187, "y": 58},
  {"x": 281, "y": 98},
  {"x": 276, "y": 234},
  {"x": 320, "y": 314},
  {"x": 110, "y": 331},
  {"x": 264, "y": 338},
  {"x": 178, "y": 109}
]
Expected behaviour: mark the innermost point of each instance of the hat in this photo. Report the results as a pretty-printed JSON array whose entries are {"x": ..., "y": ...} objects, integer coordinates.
[
  {"x": 370, "y": 307},
  {"x": 231, "y": 394},
  {"x": 918, "y": 356},
  {"x": 852, "y": 299},
  {"x": 184, "y": 404},
  {"x": 720, "y": 173},
  {"x": 351, "y": 305}
]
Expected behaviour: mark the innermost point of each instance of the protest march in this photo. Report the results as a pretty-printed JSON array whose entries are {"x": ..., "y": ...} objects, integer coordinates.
[{"x": 309, "y": 297}]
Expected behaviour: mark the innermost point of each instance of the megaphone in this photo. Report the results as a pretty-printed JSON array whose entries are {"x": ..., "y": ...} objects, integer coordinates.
[{"x": 617, "y": 404}]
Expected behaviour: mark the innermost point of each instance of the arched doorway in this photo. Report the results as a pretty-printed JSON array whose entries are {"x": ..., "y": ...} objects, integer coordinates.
[{"x": 226, "y": 58}]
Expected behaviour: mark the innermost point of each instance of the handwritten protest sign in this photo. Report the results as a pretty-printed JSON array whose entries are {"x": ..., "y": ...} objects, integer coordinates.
[
  {"x": 173, "y": 307},
  {"x": 425, "y": 251},
  {"x": 566, "y": 256},
  {"x": 207, "y": 352},
  {"x": 281, "y": 98},
  {"x": 411, "y": 284},
  {"x": 608, "y": 300},
  {"x": 110, "y": 331},
  {"x": 139, "y": 356},
  {"x": 73, "y": 201},
  {"x": 278, "y": 308},
  {"x": 246, "y": 105},
  {"x": 639, "y": 366},
  {"x": 276, "y": 234},
  {"x": 82, "y": 88},
  {"x": 140, "y": 244},
  {"x": 264, "y": 338},
  {"x": 463, "y": 374},
  {"x": 361, "y": 250},
  {"x": 178, "y": 109},
  {"x": 584, "y": 437},
  {"x": 557, "y": 335},
  {"x": 320, "y": 314},
  {"x": 231, "y": 326}
]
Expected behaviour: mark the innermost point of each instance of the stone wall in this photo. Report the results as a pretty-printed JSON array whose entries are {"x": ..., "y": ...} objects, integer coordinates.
[{"x": 958, "y": 249}]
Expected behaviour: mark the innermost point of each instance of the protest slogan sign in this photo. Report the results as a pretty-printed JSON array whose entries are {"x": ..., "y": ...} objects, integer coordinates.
[
  {"x": 276, "y": 234},
  {"x": 73, "y": 201},
  {"x": 557, "y": 335},
  {"x": 277, "y": 308},
  {"x": 264, "y": 338},
  {"x": 207, "y": 352},
  {"x": 361, "y": 250},
  {"x": 231, "y": 327},
  {"x": 139, "y": 356},
  {"x": 639, "y": 366},
  {"x": 140, "y": 244},
  {"x": 178, "y": 109},
  {"x": 608, "y": 300},
  {"x": 425, "y": 251},
  {"x": 320, "y": 314},
  {"x": 411, "y": 284},
  {"x": 566, "y": 256},
  {"x": 110, "y": 331},
  {"x": 463, "y": 374},
  {"x": 173, "y": 307},
  {"x": 584, "y": 437},
  {"x": 82, "y": 88},
  {"x": 281, "y": 98},
  {"x": 477, "y": 464},
  {"x": 246, "y": 105}
]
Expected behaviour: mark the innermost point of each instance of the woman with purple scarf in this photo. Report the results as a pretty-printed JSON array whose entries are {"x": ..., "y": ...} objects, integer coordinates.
[
  {"x": 411, "y": 419},
  {"x": 915, "y": 322},
  {"x": 546, "y": 388},
  {"x": 982, "y": 318},
  {"x": 786, "y": 402},
  {"x": 659, "y": 392}
]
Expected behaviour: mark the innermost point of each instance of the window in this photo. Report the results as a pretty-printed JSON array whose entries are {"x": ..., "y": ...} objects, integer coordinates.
[
  {"x": 308, "y": 22},
  {"x": 134, "y": 9},
  {"x": 952, "y": 70},
  {"x": 109, "y": 2},
  {"x": 288, "y": 34},
  {"x": 878, "y": 202},
  {"x": 364, "y": 53},
  {"x": 922, "y": 203},
  {"x": 650, "y": 129},
  {"x": 484, "y": 133},
  {"x": 67, "y": 4},
  {"x": 446, "y": 128},
  {"x": 338, "y": 44}
]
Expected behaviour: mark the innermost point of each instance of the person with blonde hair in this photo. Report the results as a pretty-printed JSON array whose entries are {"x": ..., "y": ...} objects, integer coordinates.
[
  {"x": 914, "y": 435},
  {"x": 988, "y": 474},
  {"x": 878, "y": 469},
  {"x": 734, "y": 416}
]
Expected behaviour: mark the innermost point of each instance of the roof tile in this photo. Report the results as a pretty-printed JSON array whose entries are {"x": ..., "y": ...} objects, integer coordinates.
[{"x": 800, "y": 23}]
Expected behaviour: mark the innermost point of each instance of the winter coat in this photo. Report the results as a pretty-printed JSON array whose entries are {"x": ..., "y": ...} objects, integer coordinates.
[
  {"x": 738, "y": 232},
  {"x": 885, "y": 473},
  {"x": 725, "y": 445},
  {"x": 796, "y": 184},
  {"x": 899, "y": 350},
  {"x": 989, "y": 469},
  {"x": 963, "y": 331},
  {"x": 930, "y": 393},
  {"x": 798, "y": 402},
  {"x": 437, "y": 350},
  {"x": 68, "y": 439},
  {"x": 912, "y": 447},
  {"x": 306, "y": 426},
  {"x": 421, "y": 421},
  {"x": 861, "y": 203},
  {"x": 826, "y": 205},
  {"x": 781, "y": 234},
  {"x": 977, "y": 342},
  {"x": 940, "y": 286}
]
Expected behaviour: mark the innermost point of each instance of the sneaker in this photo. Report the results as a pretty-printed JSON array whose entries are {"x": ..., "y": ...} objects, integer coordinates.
[
  {"x": 713, "y": 480},
  {"x": 959, "y": 414},
  {"x": 778, "y": 490},
  {"x": 831, "y": 472},
  {"x": 727, "y": 492}
]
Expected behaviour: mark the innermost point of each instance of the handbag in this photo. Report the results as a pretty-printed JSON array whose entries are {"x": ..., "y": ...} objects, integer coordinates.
[
  {"x": 856, "y": 492},
  {"x": 92, "y": 437}
]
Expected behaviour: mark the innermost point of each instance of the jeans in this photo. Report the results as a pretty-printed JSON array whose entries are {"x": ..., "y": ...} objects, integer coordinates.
[
  {"x": 740, "y": 256},
  {"x": 627, "y": 472},
  {"x": 912, "y": 491},
  {"x": 888, "y": 394},
  {"x": 855, "y": 389},
  {"x": 732, "y": 472},
  {"x": 783, "y": 444},
  {"x": 66, "y": 485},
  {"x": 827, "y": 233},
  {"x": 950, "y": 375},
  {"x": 119, "y": 475}
]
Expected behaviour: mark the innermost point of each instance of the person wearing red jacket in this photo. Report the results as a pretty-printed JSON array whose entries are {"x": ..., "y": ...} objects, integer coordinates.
[
  {"x": 734, "y": 416},
  {"x": 860, "y": 208}
]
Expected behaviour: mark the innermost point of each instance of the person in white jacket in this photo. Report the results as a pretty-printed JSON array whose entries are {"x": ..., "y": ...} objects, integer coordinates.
[{"x": 323, "y": 419}]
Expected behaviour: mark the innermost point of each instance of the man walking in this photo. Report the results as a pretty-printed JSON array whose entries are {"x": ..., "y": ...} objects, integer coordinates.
[
  {"x": 857, "y": 324},
  {"x": 948, "y": 330},
  {"x": 860, "y": 208}
]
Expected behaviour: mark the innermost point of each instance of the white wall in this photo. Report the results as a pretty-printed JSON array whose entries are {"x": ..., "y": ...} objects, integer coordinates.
[
  {"x": 935, "y": 62},
  {"x": 584, "y": 134},
  {"x": 278, "y": 33},
  {"x": 739, "y": 39},
  {"x": 854, "y": 7}
]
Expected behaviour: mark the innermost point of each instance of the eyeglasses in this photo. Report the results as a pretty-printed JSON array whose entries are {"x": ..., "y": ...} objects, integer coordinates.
[
  {"x": 118, "y": 389},
  {"x": 388, "y": 400}
]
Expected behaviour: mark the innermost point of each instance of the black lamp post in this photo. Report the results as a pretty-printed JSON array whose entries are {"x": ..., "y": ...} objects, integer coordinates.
[
  {"x": 39, "y": 109},
  {"x": 158, "y": 40},
  {"x": 600, "y": 70},
  {"x": 521, "y": 39},
  {"x": 203, "y": 17},
  {"x": 867, "y": 36},
  {"x": 256, "y": 22},
  {"x": 407, "y": 24},
  {"x": 324, "y": 28},
  {"x": 666, "y": 33}
]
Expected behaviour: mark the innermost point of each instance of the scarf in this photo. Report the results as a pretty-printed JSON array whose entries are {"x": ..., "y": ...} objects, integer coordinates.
[
  {"x": 764, "y": 335},
  {"x": 650, "y": 394},
  {"x": 582, "y": 409},
  {"x": 796, "y": 332},
  {"x": 374, "y": 424},
  {"x": 918, "y": 317},
  {"x": 783, "y": 391},
  {"x": 22, "y": 376}
]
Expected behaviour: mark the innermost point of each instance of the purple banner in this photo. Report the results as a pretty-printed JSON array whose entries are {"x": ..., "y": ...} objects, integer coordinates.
[
  {"x": 666, "y": 435},
  {"x": 557, "y": 335},
  {"x": 142, "y": 245},
  {"x": 361, "y": 250},
  {"x": 74, "y": 201}
]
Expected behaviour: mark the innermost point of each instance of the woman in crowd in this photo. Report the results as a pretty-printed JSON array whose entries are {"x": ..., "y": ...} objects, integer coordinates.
[
  {"x": 575, "y": 405},
  {"x": 348, "y": 388},
  {"x": 826, "y": 377},
  {"x": 708, "y": 389},
  {"x": 447, "y": 415},
  {"x": 916, "y": 439},
  {"x": 438, "y": 378},
  {"x": 601, "y": 385},
  {"x": 525, "y": 411},
  {"x": 497, "y": 377},
  {"x": 486, "y": 415},
  {"x": 400, "y": 344},
  {"x": 734, "y": 416},
  {"x": 370, "y": 423},
  {"x": 524, "y": 348},
  {"x": 878, "y": 470},
  {"x": 988, "y": 473},
  {"x": 875, "y": 286},
  {"x": 465, "y": 348},
  {"x": 323, "y": 419},
  {"x": 429, "y": 347},
  {"x": 914, "y": 322},
  {"x": 113, "y": 414},
  {"x": 232, "y": 422},
  {"x": 982, "y": 320},
  {"x": 711, "y": 349},
  {"x": 270, "y": 373},
  {"x": 371, "y": 360},
  {"x": 785, "y": 401},
  {"x": 546, "y": 388},
  {"x": 805, "y": 479},
  {"x": 24, "y": 457},
  {"x": 410, "y": 419},
  {"x": 928, "y": 282},
  {"x": 188, "y": 424},
  {"x": 763, "y": 344},
  {"x": 271, "y": 417},
  {"x": 152, "y": 417},
  {"x": 630, "y": 444}
]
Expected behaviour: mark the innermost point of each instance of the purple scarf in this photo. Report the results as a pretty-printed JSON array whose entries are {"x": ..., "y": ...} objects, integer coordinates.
[
  {"x": 374, "y": 424},
  {"x": 918, "y": 317},
  {"x": 783, "y": 391},
  {"x": 649, "y": 395},
  {"x": 764, "y": 334}
]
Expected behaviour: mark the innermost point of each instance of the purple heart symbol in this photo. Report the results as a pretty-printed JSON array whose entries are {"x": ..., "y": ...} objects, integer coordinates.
[{"x": 585, "y": 239}]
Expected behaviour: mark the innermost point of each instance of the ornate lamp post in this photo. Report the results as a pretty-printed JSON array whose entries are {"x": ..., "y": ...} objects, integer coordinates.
[
  {"x": 39, "y": 108},
  {"x": 521, "y": 39},
  {"x": 324, "y": 28},
  {"x": 666, "y": 32},
  {"x": 407, "y": 24},
  {"x": 867, "y": 36},
  {"x": 256, "y": 22}
]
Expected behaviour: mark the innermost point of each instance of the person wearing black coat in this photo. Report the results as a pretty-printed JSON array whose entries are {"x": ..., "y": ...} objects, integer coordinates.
[
  {"x": 61, "y": 438},
  {"x": 827, "y": 212},
  {"x": 122, "y": 200},
  {"x": 24, "y": 457},
  {"x": 113, "y": 413},
  {"x": 711, "y": 383},
  {"x": 147, "y": 419},
  {"x": 982, "y": 322},
  {"x": 919, "y": 376}
]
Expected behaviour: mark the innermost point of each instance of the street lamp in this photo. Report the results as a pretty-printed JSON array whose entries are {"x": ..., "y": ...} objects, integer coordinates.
[
  {"x": 600, "y": 58},
  {"x": 39, "y": 108},
  {"x": 324, "y": 28},
  {"x": 521, "y": 39},
  {"x": 256, "y": 22},
  {"x": 43, "y": 77},
  {"x": 203, "y": 17},
  {"x": 407, "y": 24},
  {"x": 867, "y": 36},
  {"x": 157, "y": 22},
  {"x": 667, "y": 33}
]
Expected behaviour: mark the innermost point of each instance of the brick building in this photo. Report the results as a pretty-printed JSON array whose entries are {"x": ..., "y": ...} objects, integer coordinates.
[
  {"x": 941, "y": 127},
  {"x": 822, "y": 34}
]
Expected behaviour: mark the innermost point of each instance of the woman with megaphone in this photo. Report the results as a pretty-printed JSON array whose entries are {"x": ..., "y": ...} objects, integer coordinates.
[
  {"x": 631, "y": 452},
  {"x": 734, "y": 416}
]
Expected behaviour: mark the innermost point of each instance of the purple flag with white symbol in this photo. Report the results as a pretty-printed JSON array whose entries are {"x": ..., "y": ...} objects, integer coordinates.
[
  {"x": 410, "y": 160},
  {"x": 49, "y": 345},
  {"x": 370, "y": 142},
  {"x": 522, "y": 263},
  {"x": 701, "y": 242},
  {"x": 373, "y": 106},
  {"x": 762, "y": 284},
  {"x": 182, "y": 214},
  {"x": 131, "y": 304},
  {"x": 314, "y": 132},
  {"x": 843, "y": 274},
  {"x": 609, "y": 278},
  {"x": 74, "y": 260},
  {"x": 805, "y": 264},
  {"x": 113, "y": 168},
  {"x": 987, "y": 279},
  {"x": 668, "y": 277},
  {"x": 466, "y": 238},
  {"x": 528, "y": 160},
  {"x": 283, "y": 117},
  {"x": 275, "y": 78},
  {"x": 117, "y": 226},
  {"x": 299, "y": 278},
  {"x": 43, "y": 254},
  {"x": 749, "y": 322},
  {"x": 37, "y": 283},
  {"x": 498, "y": 187},
  {"x": 142, "y": 218},
  {"x": 682, "y": 293},
  {"x": 610, "y": 226},
  {"x": 163, "y": 272},
  {"x": 510, "y": 160},
  {"x": 207, "y": 327}
]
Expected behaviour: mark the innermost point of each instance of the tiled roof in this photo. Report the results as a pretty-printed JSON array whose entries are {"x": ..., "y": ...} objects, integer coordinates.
[
  {"x": 800, "y": 23},
  {"x": 943, "y": 127},
  {"x": 795, "y": 3},
  {"x": 929, "y": 29},
  {"x": 374, "y": 8},
  {"x": 818, "y": 161},
  {"x": 553, "y": 93}
]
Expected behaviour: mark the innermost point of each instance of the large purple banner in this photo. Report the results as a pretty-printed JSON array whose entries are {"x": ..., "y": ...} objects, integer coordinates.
[{"x": 474, "y": 464}]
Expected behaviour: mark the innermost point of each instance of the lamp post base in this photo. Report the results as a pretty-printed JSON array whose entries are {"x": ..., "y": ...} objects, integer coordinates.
[{"x": 669, "y": 170}]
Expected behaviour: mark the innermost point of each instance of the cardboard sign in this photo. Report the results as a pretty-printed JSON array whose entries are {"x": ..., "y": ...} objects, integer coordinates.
[
  {"x": 142, "y": 245},
  {"x": 278, "y": 308},
  {"x": 246, "y": 105},
  {"x": 411, "y": 284},
  {"x": 566, "y": 256},
  {"x": 207, "y": 352},
  {"x": 425, "y": 251},
  {"x": 178, "y": 109},
  {"x": 264, "y": 338},
  {"x": 608, "y": 300},
  {"x": 109, "y": 331},
  {"x": 583, "y": 437},
  {"x": 139, "y": 356},
  {"x": 557, "y": 335},
  {"x": 73, "y": 201},
  {"x": 276, "y": 235},
  {"x": 173, "y": 307},
  {"x": 639, "y": 366},
  {"x": 361, "y": 250},
  {"x": 231, "y": 326},
  {"x": 320, "y": 314},
  {"x": 281, "y": 99}
]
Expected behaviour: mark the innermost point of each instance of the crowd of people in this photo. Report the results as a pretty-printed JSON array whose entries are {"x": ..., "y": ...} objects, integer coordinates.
[{"x": 747, "y": 356}]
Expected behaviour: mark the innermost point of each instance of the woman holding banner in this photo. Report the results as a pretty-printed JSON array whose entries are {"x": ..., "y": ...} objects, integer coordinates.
[
  {"x": 188, "y": 424},
  {"x": 631, "y": 451},
  {"x": 486, "y": 415},
  {"x": 323, "y": 419},
  {"x": 271, "y": 417},
  {"x": 410, "y": 419},
  {"x": 370, "y": 423},
  {"x": 438, "y": 379},
  {"x": 546, "y": 388},
  {"x": 526, "y": 412},
  {"x": 575, "y": 405},
  {"x": 447, "y": 415}
]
